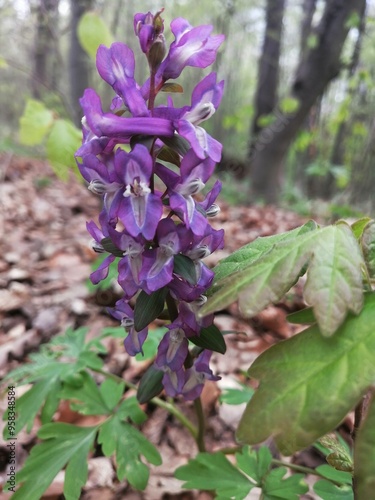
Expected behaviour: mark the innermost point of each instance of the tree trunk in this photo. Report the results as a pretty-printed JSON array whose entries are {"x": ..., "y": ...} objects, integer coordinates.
[
  {"x": 42, "y": 77},
  {"x": 79, "y": 62},
  {"x": 268, "y": 70},
  {"x": 317, "y": 68}
]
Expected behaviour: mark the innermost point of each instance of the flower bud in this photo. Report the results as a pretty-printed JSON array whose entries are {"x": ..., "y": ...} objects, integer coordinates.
[
  {"x": 213, "y": 210},
  {"x": 157, "y": 52}
]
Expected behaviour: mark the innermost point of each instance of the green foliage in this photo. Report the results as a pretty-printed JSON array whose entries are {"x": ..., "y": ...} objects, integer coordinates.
[
  {"x": 263, "y": 271},
  {"x": 234, "y": 396},
  {"x": 290, "y": 403},
  {"x": 289, "y": 105},
  {"x": 62, "y": 371},
  {"x": 364, "y": 455},
  {"x": 93, "y": 31},
  {"x": 35, "y": 123},
  {"x": 215, "y": 472},
  {"x": 40, "y": 125},
  {"x": 63, "y": 141}
]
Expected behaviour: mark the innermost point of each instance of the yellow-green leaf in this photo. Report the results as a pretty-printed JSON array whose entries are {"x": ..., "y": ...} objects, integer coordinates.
[
  {"x": 93, "y": 31},
  {"x": 35, "y": 123},
  {"x": 62, "y": 143}
]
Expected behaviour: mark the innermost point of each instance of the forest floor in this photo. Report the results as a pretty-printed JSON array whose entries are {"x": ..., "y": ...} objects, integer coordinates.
[{"x": 45, "y": 261}]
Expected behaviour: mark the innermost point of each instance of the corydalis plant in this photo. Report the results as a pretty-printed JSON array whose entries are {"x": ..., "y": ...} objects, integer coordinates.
[{"x": 151, "y": 219}]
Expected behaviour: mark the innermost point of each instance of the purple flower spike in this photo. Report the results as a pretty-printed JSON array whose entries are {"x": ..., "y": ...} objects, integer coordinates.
[
  {"x": 135, "y": 340},
  {"x": 173, "y": 349},
  {"x": 140, "y": 209},
  {"x": 173, "y": 382},
  {"x": 192, "y": 47},
  {"x": 116, "y": 66},
  {"x": 197, "y": 375}
]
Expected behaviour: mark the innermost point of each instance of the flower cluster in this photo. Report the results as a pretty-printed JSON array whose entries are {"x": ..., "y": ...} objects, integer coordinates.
[{"x": 148, "y": 162}]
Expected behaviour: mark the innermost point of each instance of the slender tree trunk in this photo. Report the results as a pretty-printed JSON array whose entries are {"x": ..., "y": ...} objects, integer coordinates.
[
  {"x": 309, "y": 7},
  {"x": 42, "y": 78},
  {"x": 317, "y": 68},
  {"x": 79, "y": 63},
  {"x": 268, "y": 69}
]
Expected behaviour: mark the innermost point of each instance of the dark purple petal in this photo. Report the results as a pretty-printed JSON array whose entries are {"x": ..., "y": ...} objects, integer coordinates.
[
  {"x": 102, "y": 271},
  {"x": 173, "y": 349},
  {"x": 197, "y": 375},
  {"x": 173, "y": 382}
]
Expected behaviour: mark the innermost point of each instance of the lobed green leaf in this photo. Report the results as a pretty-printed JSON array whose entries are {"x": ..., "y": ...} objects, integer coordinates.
[
  {"x": 309, "y": 383},
  {"x": 35, "y": 123}
]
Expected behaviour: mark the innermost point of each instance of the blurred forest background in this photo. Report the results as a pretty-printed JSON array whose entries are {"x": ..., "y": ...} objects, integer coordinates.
[{"x": 298, "y": 116}]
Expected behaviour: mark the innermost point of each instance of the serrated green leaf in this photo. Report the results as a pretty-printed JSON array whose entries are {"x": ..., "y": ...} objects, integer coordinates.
[
  {"x": 63, "y": 141},
  {"x": 255, "y": 463},
  {"x": 364, "y": 455},
  {"x": 232, "y": 396},
  {"x": 150, "y": 384},
  {"x": 129, "y": 444},
  {"x": 303, "y": 317},
  {"x": 35, "y": 123},
  {"x": 210, "y": 338},
  {"x": 368, "y": 247},
  {"x": 151, "y": 344},
  {"x": 52, "y": 402},
  {"x": 266, "y": 272},
  {"x": 93, "y": 31},
  {"x": 86, "y": 399},
  {"x": 148, "y": 307},
  {"x": 185, "y": 267},
  {"x": 62, "y": 442},
  {"x": 172, "y": 87},
  {"x": 329, "y": 491},
  {"x": 213, "y": 471},
  {"x": 305, "y": 390},
  {"x": 276, "y": 486},
  {"x": 130, "y": 409},
  {"x": 111, "y": 392},
  {"x": 334, "y": 278}
]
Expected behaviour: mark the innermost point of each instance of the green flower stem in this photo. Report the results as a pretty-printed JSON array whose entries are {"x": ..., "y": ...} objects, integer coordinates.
[
  {"x": 201, "y": 424},
  {"x": 167, "y": 405}
]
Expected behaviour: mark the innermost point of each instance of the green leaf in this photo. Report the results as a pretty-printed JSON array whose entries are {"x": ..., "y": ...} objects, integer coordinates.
[
  {"x": 305, "y": 390},
  {"x": 172, "y": 87},
  {"x": 250, "y": 253},
  {"x": 329, "y": 491},
  {"x": 88, "y": 399},
  {"x": 130, "y": 409},
  {"x": 151, "y": 344},
  {"x": 185, "y": 267},
  {"x": 289, "y": 105},
  {"x": 263, "y": 272},
  {"x": 210, "y": 338},
  {"x": 368, "y": 247},
  {"x": 63, "y": 141},
  {"x": 303, "y": 317},
  {"x": 148, "y": 307},
  {"x": 232, "y": 396},
  {"x": 169, "y": 155},
  {"x": 359, "y": 225},
  {"x": 129, "y": 444},
  {"x": 255, "y": 463},
  {"x": 93, "y": 31},
  {"x": 111, "y": 392},
  {"x": 150, "y": 384},
  {"x": 364, "y": 455},
  {"x": 62, "y": 443},
  {"x": 213, "y": 471},
  {"x": 290, "y": 488},
  {"x": 35, "y": 123},
  {"x": 110, "y": 247},
  {"x": 338, "y": 476}
]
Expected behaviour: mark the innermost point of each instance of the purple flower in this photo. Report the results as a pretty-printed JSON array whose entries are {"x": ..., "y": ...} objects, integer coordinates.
[
  {"x": 148, "y": 28},
  {"x": 134, "y": 340},
  {"x": 138, "y": 208},
  {"x": 102, "y": 271},
  {"x": 173, "y": 349},
  {"x": 158, "y": 262},
  {"x": 196, "y": 376},
  {"x": 173, "y": 381},
  {"x": 116, "y": 66},
  {"x": 182, "y": 290},
  {"x": 110, "y": 125},
  {"x": 192, "y": 47},
  {"x": 187, "y": 316},
  {"x": 206, "y": 98}
]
